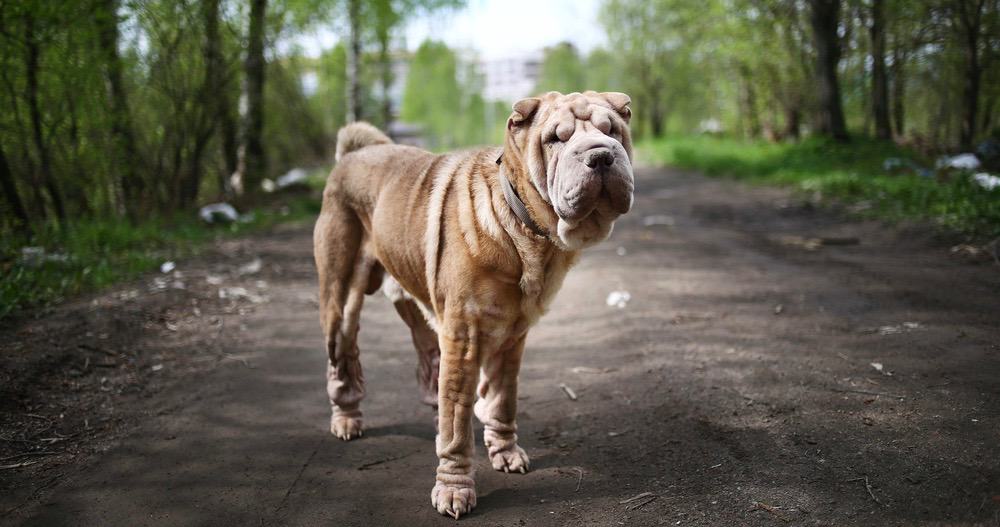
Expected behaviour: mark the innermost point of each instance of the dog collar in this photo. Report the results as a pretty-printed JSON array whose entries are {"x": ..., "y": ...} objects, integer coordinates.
[{"x": 515, "y": 203}]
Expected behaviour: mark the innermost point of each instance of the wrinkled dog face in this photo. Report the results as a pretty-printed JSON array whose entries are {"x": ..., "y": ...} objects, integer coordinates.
[{"x": 577, "y": 151}]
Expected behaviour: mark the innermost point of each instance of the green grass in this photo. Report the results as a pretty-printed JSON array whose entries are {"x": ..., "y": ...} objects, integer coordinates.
[
  {"x": 93, "y": 254},
  {"x": 849, "y": 173}
]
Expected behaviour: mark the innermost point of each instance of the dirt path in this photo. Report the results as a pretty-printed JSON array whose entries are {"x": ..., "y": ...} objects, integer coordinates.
[{"x": 736, "y": 387}]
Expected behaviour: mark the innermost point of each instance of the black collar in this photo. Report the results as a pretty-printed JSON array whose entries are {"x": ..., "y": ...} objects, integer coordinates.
[{"x": 515, "y": 203}]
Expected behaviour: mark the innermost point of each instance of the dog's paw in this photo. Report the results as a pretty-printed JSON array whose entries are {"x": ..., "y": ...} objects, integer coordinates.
[
  {"x": 453, "y": 501},
  {"x": 345, "y": 427},
  {"x": 512, "y": 459}
]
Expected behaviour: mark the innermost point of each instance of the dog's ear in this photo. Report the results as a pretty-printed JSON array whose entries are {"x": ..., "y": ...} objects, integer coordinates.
[
  {"x": 619, "y": 101},
  {"x": 523, "y": 110}
]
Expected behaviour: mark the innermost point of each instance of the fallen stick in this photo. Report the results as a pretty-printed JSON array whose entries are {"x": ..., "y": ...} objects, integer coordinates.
[
  {"x": 18, "y": 465},
  {"x": 569, "y": 391},
  {"x": 579, "y": 480},
  {"x": 866, "y": 392},
  {"x": 641, "y": 504},
  {"x": 868, "y": 487},
  {"x": 636, "y": 497},
  {"x": 771, "y": 509}
]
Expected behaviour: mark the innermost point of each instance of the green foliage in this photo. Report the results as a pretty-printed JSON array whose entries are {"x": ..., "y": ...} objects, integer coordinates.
[
  {"x": 562, "y": 70},
  {"x": 850, "y": 173},
  {"x": 91, "y": 254},
  {"x": 446, "y": 104}
]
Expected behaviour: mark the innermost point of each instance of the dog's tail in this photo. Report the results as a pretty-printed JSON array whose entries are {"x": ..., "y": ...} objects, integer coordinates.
[{"x": 358, "y": 135}]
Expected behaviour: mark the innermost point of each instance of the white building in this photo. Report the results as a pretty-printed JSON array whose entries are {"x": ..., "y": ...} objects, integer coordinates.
[{"x": 512, "y": 78}]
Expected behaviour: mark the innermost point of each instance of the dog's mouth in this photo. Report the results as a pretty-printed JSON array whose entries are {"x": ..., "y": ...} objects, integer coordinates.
[{"x": 596, "y": 178}]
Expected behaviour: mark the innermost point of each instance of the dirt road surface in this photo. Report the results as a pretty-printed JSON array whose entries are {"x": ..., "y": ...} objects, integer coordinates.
[{"x": 756, "y": 376}]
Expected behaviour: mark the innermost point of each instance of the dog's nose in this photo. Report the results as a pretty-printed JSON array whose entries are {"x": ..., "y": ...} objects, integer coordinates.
[{"x": 597, "y": 157}]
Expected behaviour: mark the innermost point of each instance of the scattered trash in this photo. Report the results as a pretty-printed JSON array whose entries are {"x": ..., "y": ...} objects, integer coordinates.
[
  {"x": 240, "y": 293},
  {"x": 294, "y": 177},
  {"x": 618, "y": 299},
  {"x": 35, "y": 256},
  {"x": 901, "y": 328},
  {"x": 779, "y": 309},
  {"x": 170, "y": 326},
  {"x": 218, "y": 213},
  {"x": 988, "y": 151},
  {"x": 569, "y": 392},
  {"x": 899, "y": 165},
  {"x": 960, "y": 162},
  {"x": 657, "y": 219},
  {"x": 621, "y": 251},
  {"x": 213, "y": 279},
  {"x": 157, "y": 367},
  {"x": 168, "y": 266},
  {"x": 253, "y": 267},
  {"x": 987, "y": 181},
  {"x": 879, "y": 367},
  {"x": 615, "y": 433},
  {"x": 131, "y": 294}
]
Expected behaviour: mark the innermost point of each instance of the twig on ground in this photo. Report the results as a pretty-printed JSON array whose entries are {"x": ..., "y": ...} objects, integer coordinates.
[
  {"x": 771, "y": 509},
  {"x": 98, "y": 349},
  {"x": 640, "y": 504},
  {"x": 868, "y": 487},
  {"x": 18, "y": 465},
  {"x": 579, "y": 480},
  {"x": 569, "y": 391},
  {"x": 26, "y": 454},
  {"x": 238, "y": 358},
  {"x": 866, "y": 392},
  {"x": 636, "y": 497}
]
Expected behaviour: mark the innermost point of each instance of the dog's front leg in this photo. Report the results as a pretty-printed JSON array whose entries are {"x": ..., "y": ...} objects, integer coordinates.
[
  {"x": 497, "y": 408},
  {"x": 454, "y": 493}
]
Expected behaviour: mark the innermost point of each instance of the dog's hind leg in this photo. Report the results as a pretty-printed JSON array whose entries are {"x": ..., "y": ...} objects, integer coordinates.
[
  {"x": 425, "y": 340},
  {"x": 345, "y": 269}
]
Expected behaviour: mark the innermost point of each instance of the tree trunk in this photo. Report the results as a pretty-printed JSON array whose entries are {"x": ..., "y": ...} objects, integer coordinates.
[
  {"x": 255, "y": 163},
  {"x": 793, "y": 122},
  {"x": 10, "y": 194},
  {"x": 656, "y": 116},
  {"x": 353, "y": 60},
  {"x": 825, "y": 17},
  {"x": 34, "y": 110},
  {"x": 970, "y": 18},
  {"x": 210, "y": 89},
  {"x": 748, "y": 103},
  {"x": 880, "y": 83},
  {"x": 385, "y": 64},
  {"x": 899, "y": 93},
  {"x": 127, "y": 162},
  {"x": 216, "y": 96}
]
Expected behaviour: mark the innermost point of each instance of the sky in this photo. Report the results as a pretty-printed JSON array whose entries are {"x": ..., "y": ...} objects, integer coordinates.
[{"x": 497, "y": 28}]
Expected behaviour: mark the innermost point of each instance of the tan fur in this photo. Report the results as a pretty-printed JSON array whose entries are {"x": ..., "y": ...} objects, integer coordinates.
[{"x": 440, "y": 226}]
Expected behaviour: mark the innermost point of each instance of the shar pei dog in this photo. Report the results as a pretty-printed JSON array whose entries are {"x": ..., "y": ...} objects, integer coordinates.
[{"x": 471, "y": 247}]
